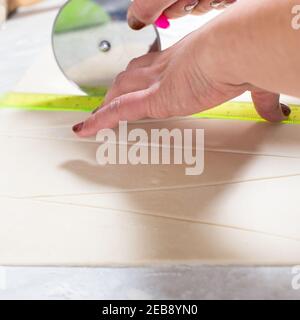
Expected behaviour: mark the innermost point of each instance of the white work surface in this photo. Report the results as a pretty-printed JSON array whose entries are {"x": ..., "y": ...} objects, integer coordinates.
[{"x": 275, "y": 243}]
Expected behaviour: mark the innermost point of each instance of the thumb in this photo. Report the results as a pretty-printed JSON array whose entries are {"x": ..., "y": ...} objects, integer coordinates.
[
  {"x": 268, "y": 106},
  {"x": 129, "y": 107}
]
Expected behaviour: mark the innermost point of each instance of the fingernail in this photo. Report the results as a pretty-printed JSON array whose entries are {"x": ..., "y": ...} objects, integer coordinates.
[
  {"x": 286, "y": 110},
  {"x": 190, "y": 7},
  {"x": 229, "y": 2},
  {"x": 221, "y": 4},
  {"x": 135, "y": 24},
  {"x": 215, "y": 4},
  {"x": 162, "y": 22},
  {"x": 78, "y": 127},
  {"x": 96, "y": 110}
]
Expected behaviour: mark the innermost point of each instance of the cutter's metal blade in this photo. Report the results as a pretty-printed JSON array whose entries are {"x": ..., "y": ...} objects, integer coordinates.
[{"x": 92, "y": 42}]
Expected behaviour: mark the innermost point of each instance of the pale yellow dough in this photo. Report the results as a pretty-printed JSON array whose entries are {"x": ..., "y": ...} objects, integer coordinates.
[
  {"x": 37, "y": 233},
  {"x": 57, "y": 207}
]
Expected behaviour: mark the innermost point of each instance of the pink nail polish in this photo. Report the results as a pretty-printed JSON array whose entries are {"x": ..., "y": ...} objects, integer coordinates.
[{"x": 162, "y": 22}]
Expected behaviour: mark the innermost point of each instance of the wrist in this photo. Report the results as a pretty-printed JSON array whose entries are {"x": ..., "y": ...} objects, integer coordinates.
[
  {"x": 219, "y": 48},
  {"x": 253, "y": 43}
]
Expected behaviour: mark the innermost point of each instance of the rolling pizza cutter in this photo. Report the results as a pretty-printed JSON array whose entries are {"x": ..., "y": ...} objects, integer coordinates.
[{"x": 93, "y": 43}]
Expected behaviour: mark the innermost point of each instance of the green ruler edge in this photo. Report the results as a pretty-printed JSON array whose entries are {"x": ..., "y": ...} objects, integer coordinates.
[{"x": 53, "y": 102}]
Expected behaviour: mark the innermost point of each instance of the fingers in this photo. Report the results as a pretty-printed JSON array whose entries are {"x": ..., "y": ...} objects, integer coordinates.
[
  {"x": 196, "y": 7},
  {"x": 142, "y": 13},
  {"x": 204, "y": 6},
  {"x": 144, "y": 61},
  {"x": 129, "y": 81},
  {"x": 129, "y": 107},
  {"x": 181, "y": 8},
  {"x": 140, "y": 74},
  {"x": 268, "y": 106},
  {"x": 221, "y": 4}
]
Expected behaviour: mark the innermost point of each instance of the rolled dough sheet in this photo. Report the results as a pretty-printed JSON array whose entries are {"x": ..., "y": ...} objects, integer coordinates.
[
  {"x": 35, "y": 233},
  {"x": 230, "y": 136},
  {"x": 266, "y": 206},
  {"x": 22, "y": 122},
  {"x": 45, "y": 167},
  {"x": 208, "y": 219},
  {"x": 59, "y": 208}
]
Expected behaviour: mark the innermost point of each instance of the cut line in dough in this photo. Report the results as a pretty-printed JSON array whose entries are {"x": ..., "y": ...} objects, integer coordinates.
[
  {"x": 251, "y": 206},
  {"x": 49, "y": 235}
]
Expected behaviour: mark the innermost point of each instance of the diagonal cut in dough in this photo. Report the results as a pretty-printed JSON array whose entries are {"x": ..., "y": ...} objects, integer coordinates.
[
  {"x": 267, "y": 206},
  {"x": 35, "y": 233}
]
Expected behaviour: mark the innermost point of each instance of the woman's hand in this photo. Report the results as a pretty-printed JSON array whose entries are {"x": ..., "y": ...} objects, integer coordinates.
[
  {"x": 185, "y": 79},
  {"x": 250, "y": 46},
  {"x": 145, "y": 12}
]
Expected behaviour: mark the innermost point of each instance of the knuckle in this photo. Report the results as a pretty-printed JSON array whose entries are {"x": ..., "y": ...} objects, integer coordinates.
[
  {"x": 115, "y": 106},
  {"x": 202, "y": 8},
  {"x": 133, "y": 63},
  {"x": 120, "y": 79}
]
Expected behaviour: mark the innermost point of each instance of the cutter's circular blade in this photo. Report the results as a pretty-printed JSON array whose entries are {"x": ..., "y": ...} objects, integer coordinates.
[{"x": 92, "y": 42}]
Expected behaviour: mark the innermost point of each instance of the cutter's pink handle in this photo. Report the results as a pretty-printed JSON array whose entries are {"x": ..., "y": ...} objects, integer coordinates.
[{"x": 162, "y": 22}]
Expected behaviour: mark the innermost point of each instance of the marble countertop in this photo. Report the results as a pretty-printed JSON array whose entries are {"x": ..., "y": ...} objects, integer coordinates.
[{"x": 21, "y": 40}]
